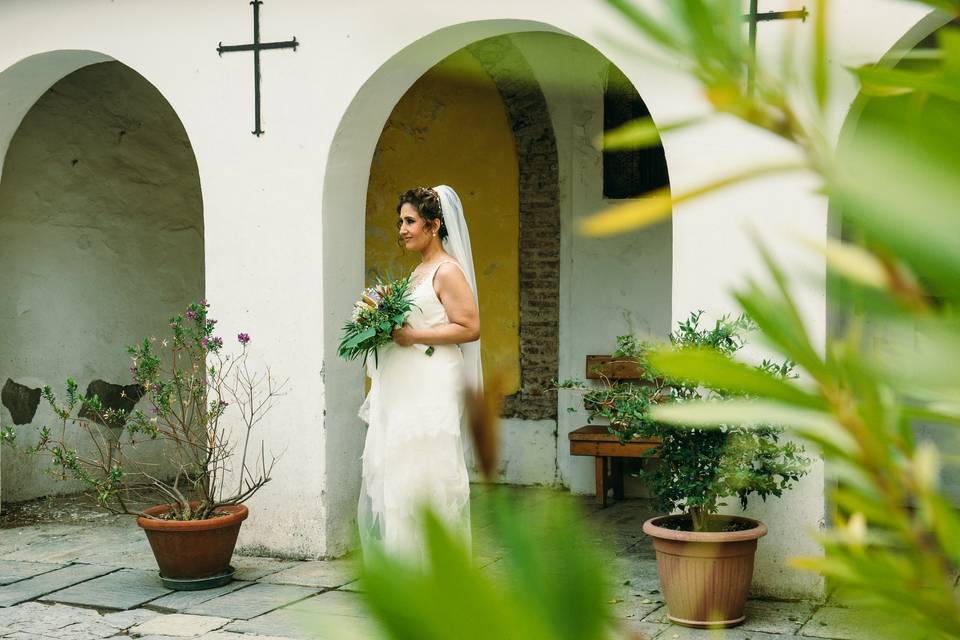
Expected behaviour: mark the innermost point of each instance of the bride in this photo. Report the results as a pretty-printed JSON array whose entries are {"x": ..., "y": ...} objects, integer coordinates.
[{"x": 413, "y": 455}]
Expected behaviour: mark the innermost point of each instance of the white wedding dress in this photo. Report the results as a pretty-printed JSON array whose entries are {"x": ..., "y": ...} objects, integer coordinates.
[{"x": 414, "y": 451}]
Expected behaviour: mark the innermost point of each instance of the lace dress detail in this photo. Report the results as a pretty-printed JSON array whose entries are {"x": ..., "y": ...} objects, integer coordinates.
[{"x": 414, "y": 454}]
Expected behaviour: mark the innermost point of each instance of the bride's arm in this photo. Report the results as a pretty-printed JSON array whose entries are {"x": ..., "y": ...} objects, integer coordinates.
[{"x": 457, "y": 300}]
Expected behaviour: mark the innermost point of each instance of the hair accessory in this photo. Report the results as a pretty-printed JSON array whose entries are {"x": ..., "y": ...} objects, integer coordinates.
[{"x": 437, "y": 196}]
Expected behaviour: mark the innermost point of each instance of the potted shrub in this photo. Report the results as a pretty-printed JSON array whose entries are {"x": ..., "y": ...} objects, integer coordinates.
[
  {"x": 194, "y": 506},
  {"x": 705, "y": 560}
]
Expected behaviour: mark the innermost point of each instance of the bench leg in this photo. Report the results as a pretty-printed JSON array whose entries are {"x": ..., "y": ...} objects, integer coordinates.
[
  {"x": 616, "y": 471},
  {"x": 600, "y": 467}
]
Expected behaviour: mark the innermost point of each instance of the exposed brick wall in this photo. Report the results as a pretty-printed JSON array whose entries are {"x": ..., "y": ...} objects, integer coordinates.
[{"x": 539, "y": 227}]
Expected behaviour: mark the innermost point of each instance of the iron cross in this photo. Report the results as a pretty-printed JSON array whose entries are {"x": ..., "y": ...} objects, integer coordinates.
[
  {"x": 754, "y": 17},
  {"x": 257, "y": 47}
]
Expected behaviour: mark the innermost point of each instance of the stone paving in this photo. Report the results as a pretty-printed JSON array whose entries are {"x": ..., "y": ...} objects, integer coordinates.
[{"x": 95, "y": 578}]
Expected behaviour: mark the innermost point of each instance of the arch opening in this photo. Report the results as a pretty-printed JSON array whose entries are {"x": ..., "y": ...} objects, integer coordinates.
[
  {"x": 528, "y": 166},
  {"x": 102, "y": 219}
]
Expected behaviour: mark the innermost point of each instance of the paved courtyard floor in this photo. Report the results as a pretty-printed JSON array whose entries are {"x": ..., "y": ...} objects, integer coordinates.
[{"x": 71, "y": 572}]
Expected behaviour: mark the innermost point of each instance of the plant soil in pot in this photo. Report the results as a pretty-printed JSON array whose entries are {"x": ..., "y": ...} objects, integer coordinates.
[
  {"x": 705, "y": 575},
  {"x": 193, "y": 549}
]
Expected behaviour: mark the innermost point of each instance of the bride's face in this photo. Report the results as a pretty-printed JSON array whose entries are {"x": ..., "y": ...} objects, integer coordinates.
[{"x": 415, "y": 232}]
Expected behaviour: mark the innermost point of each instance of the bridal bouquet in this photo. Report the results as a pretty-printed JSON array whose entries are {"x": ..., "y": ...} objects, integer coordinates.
[{"x": 380, "y": 309}]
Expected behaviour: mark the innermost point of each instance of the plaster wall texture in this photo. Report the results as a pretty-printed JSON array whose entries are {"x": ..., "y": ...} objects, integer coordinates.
[
  {"x": 451, "y": 128},
  {"x": 102, "y": 228},
  {"x": 714, "y": 247},
  {"x": 283, "y": 243},
  {"x": 608, "y": 286}
]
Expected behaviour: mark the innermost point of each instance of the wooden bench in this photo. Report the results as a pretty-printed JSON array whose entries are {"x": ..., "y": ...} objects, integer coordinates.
[{"x": 597, "y": 441}]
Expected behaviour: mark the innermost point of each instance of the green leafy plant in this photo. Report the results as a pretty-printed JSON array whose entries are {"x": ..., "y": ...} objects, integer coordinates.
[
  {"x": 380, "y": 309},
  {"x": 548, "y": 589},
  {"x": 894, "y": 539},
  {"x": 8, "y": 436},
  {"x": 698, "y": 467},
  {"x": 189, "y": 385}
]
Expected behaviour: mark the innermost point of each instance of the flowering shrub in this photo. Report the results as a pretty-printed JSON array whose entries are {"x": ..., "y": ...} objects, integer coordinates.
[{"x": 188, "y": 384}]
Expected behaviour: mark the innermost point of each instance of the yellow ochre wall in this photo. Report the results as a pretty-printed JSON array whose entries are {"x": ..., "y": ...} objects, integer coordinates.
[{"x": 451, "y": 128}]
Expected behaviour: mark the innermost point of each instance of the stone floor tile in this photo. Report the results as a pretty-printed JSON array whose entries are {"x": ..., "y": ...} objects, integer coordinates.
[
  {"x": 123, "y": 620},
  {"x": 183, "y": 600},
  {"x": 281, "y": 622},
  {"x": 179, "y": 625},
  {"x": 676, "y": 632},
  {"x": 299, "y": 623},
  {"x": 62, "y": 547},
  {"x": 19, "y": 538},
  {"x": 227, "y": 635},
  {"x": 16, "y": 570},
  {"x": 635, "y": 575},
  {"x": 341, "y": 603},
  {"x": 658, "y": 615},
  {"x": 633, "y": 607},
  {"x": 90, "y": 630},
  {"x": 255, "y": 567},
  {"x": 43, "y": 584},
  {"x": 252, "y": 601},
  {"x": 777, "y": 617},
  {"x": 123, "y": 589},
  {"x": 52, "y": 620},
  {"x": 839, "y": 623},
  {"x": 638, "y": 629},
  {"x": 133, "y": 554},
  {"x": 328, "y": 574}
]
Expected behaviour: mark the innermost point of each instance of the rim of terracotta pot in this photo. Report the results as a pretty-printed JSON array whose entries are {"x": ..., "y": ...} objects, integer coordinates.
[
  {"x": 758, "y": 530},
  {"x": 237, "y": 513}
]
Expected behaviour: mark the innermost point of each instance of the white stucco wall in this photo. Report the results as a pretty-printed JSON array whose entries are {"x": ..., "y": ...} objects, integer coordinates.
[
  {"x": 608, "y": 287},
  {"x": 102, "y": 230},
  {"x": 283, "y": 213},
  {"x": 714, "y": 250}
]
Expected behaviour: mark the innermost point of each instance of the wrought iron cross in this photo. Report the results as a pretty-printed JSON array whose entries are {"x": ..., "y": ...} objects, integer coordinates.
[
  {"x": 754, "y": 17},
  {"x": 257, "y": 47}
]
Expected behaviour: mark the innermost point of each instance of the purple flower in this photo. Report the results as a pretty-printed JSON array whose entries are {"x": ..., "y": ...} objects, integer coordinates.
[
  {"x": 211, "y": 343},
  {"x": 243, "y": 338},
  {"x": 222, "y": 404},
  {"x": 191, "y": 315},
  {"x": 154, "y": 410}
]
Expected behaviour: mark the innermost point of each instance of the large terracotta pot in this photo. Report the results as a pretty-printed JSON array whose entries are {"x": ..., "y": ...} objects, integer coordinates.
[
  {"x": 191, "y": 549},
  {"x": 705, "y": 576}
]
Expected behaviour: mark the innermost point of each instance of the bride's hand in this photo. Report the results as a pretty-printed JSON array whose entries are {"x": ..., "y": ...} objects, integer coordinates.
[{"x": 404, "y": 336}]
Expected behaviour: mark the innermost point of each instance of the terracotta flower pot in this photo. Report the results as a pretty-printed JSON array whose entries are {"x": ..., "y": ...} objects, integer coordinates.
[
  {"x": 191, "y": 549},
  {"x": 705, "y": 576}
]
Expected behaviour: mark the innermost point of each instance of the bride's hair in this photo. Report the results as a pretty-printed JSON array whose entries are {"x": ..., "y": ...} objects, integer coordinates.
[{"x": 427, "y": 203}]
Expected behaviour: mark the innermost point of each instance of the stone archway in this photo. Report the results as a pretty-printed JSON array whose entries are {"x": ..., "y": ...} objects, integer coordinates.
[
  {"x": 101, "y": 208},
  {"x": 542, "y": 204}
]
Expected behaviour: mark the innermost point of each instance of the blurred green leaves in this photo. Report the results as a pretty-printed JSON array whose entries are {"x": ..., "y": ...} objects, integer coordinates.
[
  {"x": 549, "y": 585},
  {"x": 894, "y": 280}
]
